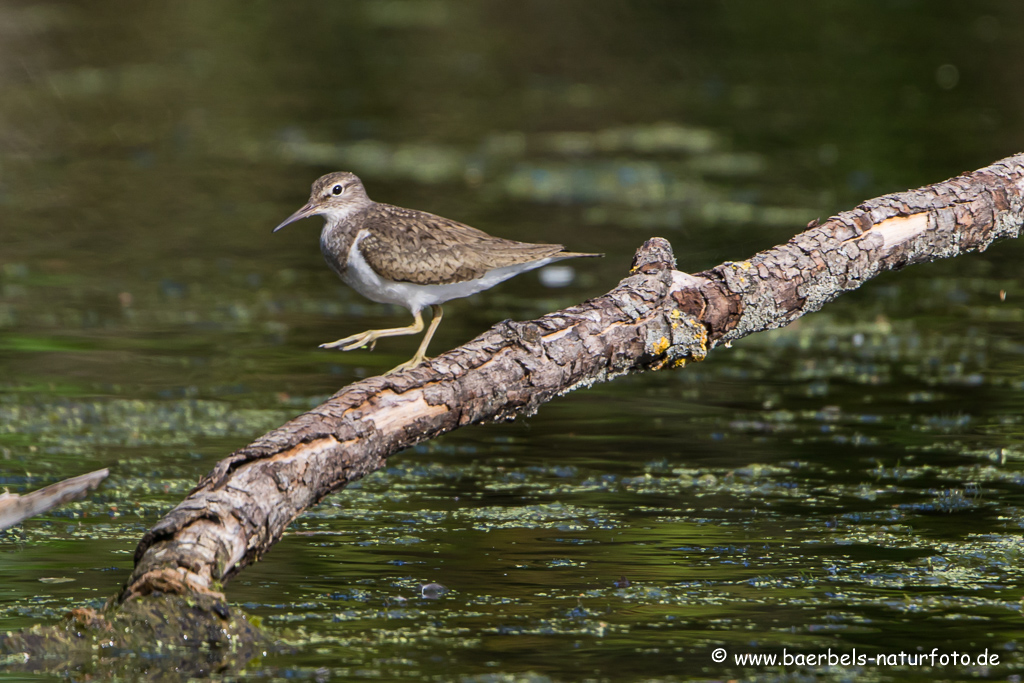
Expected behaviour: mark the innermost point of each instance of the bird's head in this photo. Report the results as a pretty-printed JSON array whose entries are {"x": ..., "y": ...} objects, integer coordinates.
[{"x": 335, "y": 196}]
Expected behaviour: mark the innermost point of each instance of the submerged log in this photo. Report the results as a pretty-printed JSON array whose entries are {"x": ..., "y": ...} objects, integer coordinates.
[{"x": 657, "y": 317}]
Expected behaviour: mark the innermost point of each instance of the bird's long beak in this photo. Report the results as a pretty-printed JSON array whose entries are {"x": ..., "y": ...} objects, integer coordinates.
[{"x": 306, "y": 211}]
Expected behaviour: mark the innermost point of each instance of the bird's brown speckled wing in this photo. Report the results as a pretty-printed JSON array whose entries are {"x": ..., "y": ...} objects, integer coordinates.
[{"x": 404, "y": 245}]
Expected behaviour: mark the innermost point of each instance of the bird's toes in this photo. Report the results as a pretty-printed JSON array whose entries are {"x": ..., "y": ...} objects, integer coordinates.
[
  {"x": 343, "y": 344},
  {"x": 408, "y": 365},
  {"x": 360, "y": 341},
  {"x": 399, "y": 368},
  {"x": 352, "y": 342}
]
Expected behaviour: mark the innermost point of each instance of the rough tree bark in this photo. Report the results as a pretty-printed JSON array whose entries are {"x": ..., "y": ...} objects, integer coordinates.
[{"x": 657, "y": 317}]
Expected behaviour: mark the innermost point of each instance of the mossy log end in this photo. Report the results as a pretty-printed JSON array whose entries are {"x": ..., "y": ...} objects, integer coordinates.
[{"x": 191, "y": 635}]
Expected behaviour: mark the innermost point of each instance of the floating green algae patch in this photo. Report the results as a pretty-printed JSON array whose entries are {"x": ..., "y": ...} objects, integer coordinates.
[{"x": 39, "y": 344}]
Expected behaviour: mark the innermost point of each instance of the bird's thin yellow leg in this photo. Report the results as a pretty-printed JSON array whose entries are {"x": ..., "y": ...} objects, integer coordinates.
[
  {"x": 421, "y": 352},
  {"x": 371, "y": 336}
]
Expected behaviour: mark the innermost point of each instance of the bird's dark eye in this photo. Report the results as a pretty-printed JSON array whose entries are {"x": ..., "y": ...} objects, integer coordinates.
[{"x": 337, "y": 189}]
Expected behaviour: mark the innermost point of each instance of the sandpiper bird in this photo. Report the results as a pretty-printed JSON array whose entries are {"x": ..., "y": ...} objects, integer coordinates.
[{"x": 411, "y": 258}]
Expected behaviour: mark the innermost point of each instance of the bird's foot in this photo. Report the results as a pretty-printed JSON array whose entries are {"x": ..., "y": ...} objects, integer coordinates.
[
  {"x": 415, "y": 361},
  {"x": 356, "y": 341}
]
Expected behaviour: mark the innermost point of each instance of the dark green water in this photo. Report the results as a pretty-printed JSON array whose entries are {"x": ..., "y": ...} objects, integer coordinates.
[{"x": 853, "y": 481}]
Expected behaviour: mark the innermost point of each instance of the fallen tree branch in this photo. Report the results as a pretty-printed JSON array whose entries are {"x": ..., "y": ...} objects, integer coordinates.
[
  {"x": 656, "y": 317},
  {"x": 15, "y": 508}
]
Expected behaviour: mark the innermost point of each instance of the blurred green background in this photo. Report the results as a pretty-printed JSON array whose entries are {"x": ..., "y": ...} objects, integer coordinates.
[{"x": 851, "y": 481}]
